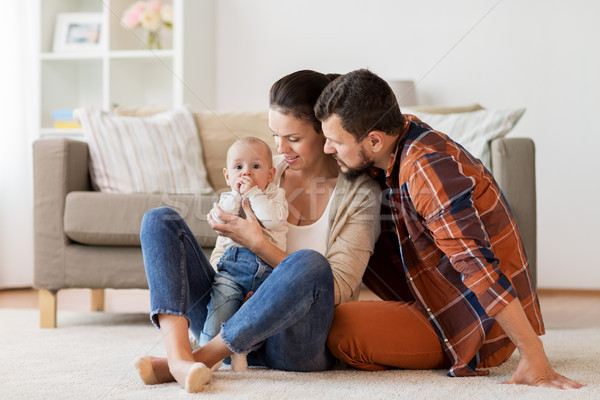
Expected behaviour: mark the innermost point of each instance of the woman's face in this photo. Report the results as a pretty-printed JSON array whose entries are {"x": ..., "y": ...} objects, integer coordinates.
[{"x": 296, "y": 139}]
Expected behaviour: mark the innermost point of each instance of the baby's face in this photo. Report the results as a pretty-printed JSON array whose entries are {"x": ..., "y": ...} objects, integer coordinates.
[{"x": 248, "y": 165}]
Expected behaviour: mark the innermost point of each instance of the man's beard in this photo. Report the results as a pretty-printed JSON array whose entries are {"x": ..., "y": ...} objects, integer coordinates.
[{"x": 364, "y": 168}]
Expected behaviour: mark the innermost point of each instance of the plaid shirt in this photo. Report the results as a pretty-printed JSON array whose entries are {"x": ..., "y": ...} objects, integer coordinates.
[{"x": 461, "y": 257}]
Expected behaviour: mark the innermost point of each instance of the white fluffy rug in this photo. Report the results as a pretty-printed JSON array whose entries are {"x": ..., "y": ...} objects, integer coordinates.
[{"x": 91, "y": 355}]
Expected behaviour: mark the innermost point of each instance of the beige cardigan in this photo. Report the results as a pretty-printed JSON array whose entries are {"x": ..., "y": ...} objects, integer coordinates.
[{"x": 354, "y": 228}]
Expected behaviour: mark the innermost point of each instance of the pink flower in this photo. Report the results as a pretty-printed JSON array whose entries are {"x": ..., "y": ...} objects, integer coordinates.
[
  {"x": 132, "y": 17},
  {"x": 154, "y": 6},
  {"x": 151, "y": 15}
]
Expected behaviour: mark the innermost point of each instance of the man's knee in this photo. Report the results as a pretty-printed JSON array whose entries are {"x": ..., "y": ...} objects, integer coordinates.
[{"x": 345, "y": 340}]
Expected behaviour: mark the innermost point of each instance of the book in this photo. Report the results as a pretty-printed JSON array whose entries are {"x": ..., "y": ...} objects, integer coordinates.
[
  {"x": 62, "y": 114},
  {"x": 66, "y": 125}
]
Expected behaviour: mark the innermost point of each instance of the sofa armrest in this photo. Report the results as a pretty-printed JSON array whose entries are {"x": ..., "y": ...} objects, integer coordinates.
[
  {"x": 60, "y": 166},
  {"x": 513, "y": 167}
]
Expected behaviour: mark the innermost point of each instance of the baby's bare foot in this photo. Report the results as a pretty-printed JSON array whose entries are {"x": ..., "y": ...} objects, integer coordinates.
[{"x": 239, "y": 363}]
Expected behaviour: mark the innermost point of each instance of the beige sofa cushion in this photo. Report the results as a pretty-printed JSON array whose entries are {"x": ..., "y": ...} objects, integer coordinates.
[
  {"x": 218, "y": 131},
  {"x": 445, "y": 110},
  {"x": 161, "y": 153},
  {"x": 474, "y": 130},
  {"x": 114, "y": 219}
]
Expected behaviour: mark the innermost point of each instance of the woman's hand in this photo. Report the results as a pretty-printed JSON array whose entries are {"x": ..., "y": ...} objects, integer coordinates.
[{"x": 245, "y": 231}]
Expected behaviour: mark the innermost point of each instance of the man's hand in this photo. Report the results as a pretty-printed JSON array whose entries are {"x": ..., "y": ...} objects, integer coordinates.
[{"x": 534, "y": 368}]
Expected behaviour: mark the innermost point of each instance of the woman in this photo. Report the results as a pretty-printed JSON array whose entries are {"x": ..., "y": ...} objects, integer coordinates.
[{"x": 333, "y": 224}]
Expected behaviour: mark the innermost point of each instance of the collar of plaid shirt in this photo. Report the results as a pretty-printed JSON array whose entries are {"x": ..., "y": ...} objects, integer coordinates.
[{"x": 461, "y": 268}]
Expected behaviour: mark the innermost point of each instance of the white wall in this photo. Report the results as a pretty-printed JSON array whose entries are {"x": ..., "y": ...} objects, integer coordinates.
[
  {"x": 542, "y": 55},
  {"x": 16, "y": 191}
]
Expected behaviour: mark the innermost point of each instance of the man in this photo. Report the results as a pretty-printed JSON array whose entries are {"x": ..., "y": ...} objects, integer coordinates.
[{"x": 450, "y": 254}]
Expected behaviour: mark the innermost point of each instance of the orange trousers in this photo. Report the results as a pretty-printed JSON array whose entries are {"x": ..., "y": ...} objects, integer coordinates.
[{"x": 378, "y": 335}]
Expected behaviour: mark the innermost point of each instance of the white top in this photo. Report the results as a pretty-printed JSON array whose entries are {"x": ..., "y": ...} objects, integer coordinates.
[
  {"x": 269, "y": 206},
  {"x": 314, "y": 236}
]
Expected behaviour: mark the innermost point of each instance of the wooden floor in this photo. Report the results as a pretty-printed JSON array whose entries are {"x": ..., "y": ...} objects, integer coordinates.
[{"x": 561, "y": 309}]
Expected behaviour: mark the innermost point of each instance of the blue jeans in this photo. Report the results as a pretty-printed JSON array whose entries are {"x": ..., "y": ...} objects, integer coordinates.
[
  {"x": 291, "y": 311},
  {"x": 240, "y": 271}
]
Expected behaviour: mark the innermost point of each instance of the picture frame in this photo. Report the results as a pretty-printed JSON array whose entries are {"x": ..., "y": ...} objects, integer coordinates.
[{"x": 78, "y": 32}]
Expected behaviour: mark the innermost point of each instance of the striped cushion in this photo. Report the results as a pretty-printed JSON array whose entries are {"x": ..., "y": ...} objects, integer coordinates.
[
  {"x": 155, "y": 154},
  {"x": 473, "y": 130}
]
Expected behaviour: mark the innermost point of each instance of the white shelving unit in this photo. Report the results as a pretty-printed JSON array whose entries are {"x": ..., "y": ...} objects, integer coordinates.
[{"x": 123, "y": 71}]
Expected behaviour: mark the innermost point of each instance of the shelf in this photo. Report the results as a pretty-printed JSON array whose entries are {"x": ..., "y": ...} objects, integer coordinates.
[
  {"x": 61, "y": 132},
  {"x": 122, "y": 71},
  {"x": 141, "y": 54},
  {"x": 133, "y": 54},
  {"x": 71, "y": 56}
]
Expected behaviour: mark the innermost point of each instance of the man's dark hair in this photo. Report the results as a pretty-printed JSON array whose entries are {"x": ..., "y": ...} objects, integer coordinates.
[
  {"x": 363, "y": 101},
  {"x": 297, "y": 93}
]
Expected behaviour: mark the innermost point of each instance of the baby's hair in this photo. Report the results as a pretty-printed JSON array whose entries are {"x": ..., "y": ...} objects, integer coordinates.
[{"x": 252, "y": 140}]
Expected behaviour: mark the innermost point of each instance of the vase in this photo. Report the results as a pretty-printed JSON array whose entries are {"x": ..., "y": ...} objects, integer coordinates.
[{"x": 153, "y": 40}]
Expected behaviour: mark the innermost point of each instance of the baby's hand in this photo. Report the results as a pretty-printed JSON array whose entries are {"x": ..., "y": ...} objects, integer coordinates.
[{"x": 244, "y": 185}]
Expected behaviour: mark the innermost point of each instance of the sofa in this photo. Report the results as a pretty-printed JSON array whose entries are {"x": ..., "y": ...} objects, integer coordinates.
[{"x": 85, "y": 238}]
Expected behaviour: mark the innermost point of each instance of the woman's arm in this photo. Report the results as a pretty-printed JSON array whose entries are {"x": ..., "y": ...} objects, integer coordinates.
[
  {"x": 354, "y": 230},
  {"x": 248, "y": 233}
]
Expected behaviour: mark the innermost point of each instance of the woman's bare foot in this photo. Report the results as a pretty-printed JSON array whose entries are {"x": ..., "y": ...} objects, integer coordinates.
[
  {"x": 153, "y": 370},
  {"x": 190, "y": 370},
  {"x": 191, "y": 375},
  {"x": 198, "y": 376},
  {"x": 212, "y": 353},
  {"x": 144, "y": 368}
]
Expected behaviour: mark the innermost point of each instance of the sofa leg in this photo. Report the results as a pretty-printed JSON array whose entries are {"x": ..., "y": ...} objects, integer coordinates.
[
  {"x": 97, "y": 299},
  {"x": 47, "y": 308}
]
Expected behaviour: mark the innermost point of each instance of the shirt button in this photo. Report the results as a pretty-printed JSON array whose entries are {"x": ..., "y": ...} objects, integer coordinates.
[
  {"x": 410, "y": 279},
  {"x": 445, "y": 340},
  {"x": 429, "y": 310}
]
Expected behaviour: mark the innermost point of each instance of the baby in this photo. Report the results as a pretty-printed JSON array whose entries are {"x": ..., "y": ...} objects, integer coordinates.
[{"x": 249, "y": 174}]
